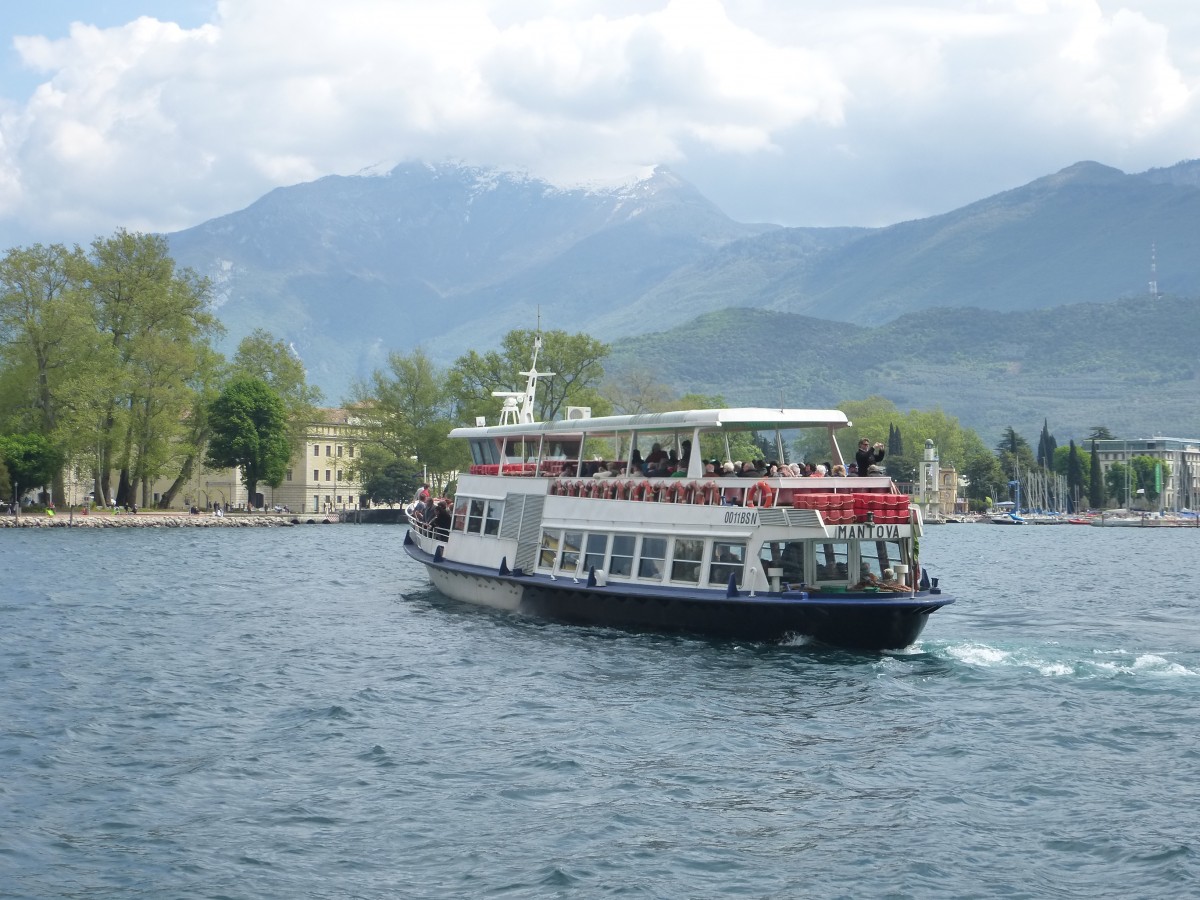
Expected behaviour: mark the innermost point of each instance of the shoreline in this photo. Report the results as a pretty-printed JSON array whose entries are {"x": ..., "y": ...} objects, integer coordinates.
[{"x": 167, "y": 520}]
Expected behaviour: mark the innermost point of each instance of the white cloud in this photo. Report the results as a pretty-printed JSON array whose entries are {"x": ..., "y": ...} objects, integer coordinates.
[{"x": 778, "y": 109}]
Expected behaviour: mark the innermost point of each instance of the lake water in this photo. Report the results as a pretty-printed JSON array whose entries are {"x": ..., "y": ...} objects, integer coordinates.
[{"x": 284, "y": 713}]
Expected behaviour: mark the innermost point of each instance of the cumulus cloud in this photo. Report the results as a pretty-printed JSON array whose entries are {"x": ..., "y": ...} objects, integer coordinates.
[{"x": 779, "y": 110}]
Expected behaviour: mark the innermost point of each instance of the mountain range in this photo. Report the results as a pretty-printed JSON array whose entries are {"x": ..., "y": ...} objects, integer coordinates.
[{"x": 952, "y": 311}]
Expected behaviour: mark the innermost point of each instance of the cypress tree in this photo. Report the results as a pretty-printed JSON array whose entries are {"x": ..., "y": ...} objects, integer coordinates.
[{"x": 1096, "y": 488}]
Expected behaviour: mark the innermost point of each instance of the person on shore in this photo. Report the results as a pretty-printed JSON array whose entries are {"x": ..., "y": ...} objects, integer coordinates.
[{"x": 867, "y": 456}]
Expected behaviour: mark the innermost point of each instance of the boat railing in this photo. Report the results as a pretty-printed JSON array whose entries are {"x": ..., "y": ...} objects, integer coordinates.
[{"x": 853, "y": 503}]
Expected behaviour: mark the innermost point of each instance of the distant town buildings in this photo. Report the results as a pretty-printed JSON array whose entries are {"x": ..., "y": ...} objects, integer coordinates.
[{"x": 1181, "y": 476}]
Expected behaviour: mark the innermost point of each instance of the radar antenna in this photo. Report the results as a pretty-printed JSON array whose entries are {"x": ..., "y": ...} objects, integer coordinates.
[{"x": 510, "y": 414}]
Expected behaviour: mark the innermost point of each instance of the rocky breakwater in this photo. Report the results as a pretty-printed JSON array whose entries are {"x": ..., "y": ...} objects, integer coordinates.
[{"x": 162, "y": 520}]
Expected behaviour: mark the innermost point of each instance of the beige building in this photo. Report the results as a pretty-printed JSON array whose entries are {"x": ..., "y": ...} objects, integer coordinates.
[{"x": 320, "y": 478}]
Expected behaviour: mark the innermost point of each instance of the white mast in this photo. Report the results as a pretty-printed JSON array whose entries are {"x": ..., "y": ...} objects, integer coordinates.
[{"x": 510, "y": 415}]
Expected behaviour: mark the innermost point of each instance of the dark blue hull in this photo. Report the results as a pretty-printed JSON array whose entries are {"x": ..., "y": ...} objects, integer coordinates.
[{"x": 870, "y": 622}]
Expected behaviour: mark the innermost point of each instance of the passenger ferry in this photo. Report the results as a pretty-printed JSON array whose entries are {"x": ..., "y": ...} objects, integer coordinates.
[{"x": 557, "y": 520}]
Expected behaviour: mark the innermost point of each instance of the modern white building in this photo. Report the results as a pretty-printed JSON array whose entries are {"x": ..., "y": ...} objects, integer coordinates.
[{"x": 1181, "y": 477}]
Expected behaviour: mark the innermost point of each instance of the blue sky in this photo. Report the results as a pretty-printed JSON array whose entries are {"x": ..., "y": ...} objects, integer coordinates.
[{"x": 160, "y": 115}]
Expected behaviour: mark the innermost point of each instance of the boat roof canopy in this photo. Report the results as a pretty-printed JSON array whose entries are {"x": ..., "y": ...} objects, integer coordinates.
[{"x": 737, "y": 419}]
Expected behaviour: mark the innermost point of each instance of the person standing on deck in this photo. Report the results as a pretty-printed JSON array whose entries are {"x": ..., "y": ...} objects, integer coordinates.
[{"x": 867, "y": 456}]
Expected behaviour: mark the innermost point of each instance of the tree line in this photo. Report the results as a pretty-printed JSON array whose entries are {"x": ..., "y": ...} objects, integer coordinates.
[
  {"x": 107, "y": 365},
  {"x": 108, "y": 368}
]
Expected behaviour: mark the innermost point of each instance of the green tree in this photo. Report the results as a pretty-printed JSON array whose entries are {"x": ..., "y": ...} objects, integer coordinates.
[
  {"x": 1076, "y": 488},
  {"x": 1046, "y": 446},
  {"x": 1096, "y": 496},
  {"x": 1100, "y": 433},
  {"x": 392, "y": 480},
  {"x": 406, "y": 411},
  {"x": 48, "y": 347},
  {"x": 5, "y": 480},
  {"x": 155, "y": 321},
  {"x": 1081, "y": 484},
  {"x": 984, "y": 477},
  {"x": 1145, "y": 478},
  {"x": 31, "y": 460},
  {"x": 260, "y": 355},
  {"x": 1016, "y": 457},
  {"x": 250, "y": 430},
  {"x": 1116, "y": 480}
]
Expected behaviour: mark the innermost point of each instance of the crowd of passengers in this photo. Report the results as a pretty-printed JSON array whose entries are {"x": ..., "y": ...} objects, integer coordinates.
[
  {"x": 432, "y": 512},
  {"x": 660, "y": 463}
]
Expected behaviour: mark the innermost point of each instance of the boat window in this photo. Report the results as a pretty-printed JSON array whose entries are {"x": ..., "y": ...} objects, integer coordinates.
[
  {"x": 596, "y": 549},
  {"x": 516, "y": 450},
  {"x": 876, "y": 556},
  {"x": 654, "y": 555},
  {"x": 685, "y": 564},
  {"x": 622, "y": 555},
  {"x": 727, "y": 559},
  {"x": 831, "y": 561},
  {"x": 460, "y": 514},
  {"x": 786, "y": 555},
  {"x": 475, "y": 516},
  {"x": 549, "y": 551},
  {"x": 492, "y": 524},
  {"x": 572, "y": 544}
]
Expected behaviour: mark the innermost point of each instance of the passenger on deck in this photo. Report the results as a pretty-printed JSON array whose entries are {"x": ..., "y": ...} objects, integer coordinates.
[
  {"x": 657, "y": 455},
  {"x": 839, "y": 471},
  {"x": 441, "y": 519},
  {"x": 867, "y": 456},
  {"x": 728, "y": 468},
  {"x": 636, "y": 463}
]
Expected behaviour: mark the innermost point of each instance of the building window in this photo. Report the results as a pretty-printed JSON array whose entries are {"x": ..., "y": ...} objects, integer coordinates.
[
  {"x": 329, "y": 450},
  {"x": 339, "y": 499},
  {"x": 316, "y": 449},
  {"x": 339, "y": 449},
  {"x": 339, "y": 475},
  {"x": 316, "y": 475},
  {"x": 289, "y": 474},
  {"x": 350, "y": 450},
  {"x": 329, "y": 475}
]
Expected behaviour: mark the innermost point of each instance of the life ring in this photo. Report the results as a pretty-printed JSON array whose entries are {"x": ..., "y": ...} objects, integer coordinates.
[
  {"x": 609, "y": 489},
  {"x": 761, "y": 494},
  {"x": 705, "y": 493},
  {"x": 638, "y": 489},
  {"x": 653, "y": 491},
  {"x": 675, "y": 492},
  {"x": 689, "y": 492}
]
